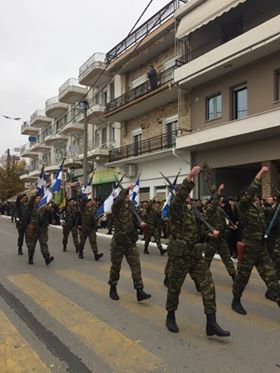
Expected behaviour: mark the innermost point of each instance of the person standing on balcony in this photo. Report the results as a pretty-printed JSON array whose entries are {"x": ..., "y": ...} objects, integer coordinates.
[
  {"x": 153, "y": 77},
  {"x": 124, "y": 244},
  {"x": 185, "y": 251}
]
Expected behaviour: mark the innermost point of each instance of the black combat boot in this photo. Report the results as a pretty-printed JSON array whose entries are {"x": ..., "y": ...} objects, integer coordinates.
[
  {"x": 64, "y": 248},
  {"x": 269, "y": 296},
  {"x": 165, "y": 281},
  {"x": 30, "y": 259},
  {"x": 81, "y": 254},
  {"x": 77, "y": 249},
  {"x": 162, "y": 251},
  {"x": 20, "y": 252},
  {"x": 113, "y": 292},
  {"x": 48, "y": 259},
  {"x": 141, "y": 295},
  {"x": 171, "y": 322},
  {"x": 237, "y": 306},
  {"x": 213, "y": 328},
  {"x": 97, "y": 256},
  {"x": 146, "y": 251}
]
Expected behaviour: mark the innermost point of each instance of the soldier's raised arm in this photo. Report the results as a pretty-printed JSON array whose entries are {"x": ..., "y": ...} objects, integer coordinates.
[{"x": 255, "y": 186}]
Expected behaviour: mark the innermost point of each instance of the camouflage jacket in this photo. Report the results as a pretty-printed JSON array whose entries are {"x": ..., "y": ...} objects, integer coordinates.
[
  {"x": 23, "y": 213},
  {"x": 251, "y": 216},
  {"x": 215, "y": 216},
  {"x": 38, "y": 216},
  {"x": 124, "y": 220},
  {"x": 152, "y": 217},
  {"x": 183, "y": 223},
  {"x": 71, "y": 216},
  {"x": 88, "y": 217}
]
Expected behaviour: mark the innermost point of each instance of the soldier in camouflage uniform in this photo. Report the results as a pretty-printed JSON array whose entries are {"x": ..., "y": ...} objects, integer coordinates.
[
  {"x": 186, "y": 257},
  {"x": 71, "y": 218},
  {"x": 109, "y": 223},
  {"x": 216, "y": 218},
  {"x": 88, "y": 228},
  {"x": 124, "y": 244},
  {"x": 37, "y": 229},
  {"x": 22, "y": 217},
  {"x": 152, "y": 217},
  {"x": 251, "y": 216}
]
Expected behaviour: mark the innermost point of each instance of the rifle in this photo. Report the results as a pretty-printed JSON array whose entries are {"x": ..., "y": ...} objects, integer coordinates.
[
  {"x": 228, "y": 218},
  {"x": 272, "y": 222},
  {"x": 200, "y": 217}
]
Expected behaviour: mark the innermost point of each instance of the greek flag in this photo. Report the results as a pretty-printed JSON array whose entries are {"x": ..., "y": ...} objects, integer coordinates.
[
  {"x": 46, "y": 199},
  {"x": 41, "y": 183},
  {"x": 166, "y": 207},
  {"x": 134, "y": 196},
  {"x": 106, "y": 207},
  {"x": 57, "y": 180},
  {"x": 86, "y": 189}
]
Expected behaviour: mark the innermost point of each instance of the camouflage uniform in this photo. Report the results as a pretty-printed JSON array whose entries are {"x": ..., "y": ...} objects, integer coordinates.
[
  {"x": 273, "y": 241},
  {"x": 71, "y": 216},
  {"x": 37, "y": 229},
  {"x": 152, "y": 218},
  {"x": 22, "y": 218},
  {"x": 216, "y": 218},
  {"x": 89, "y": 226},
  {"x": 255, "y": 252},
  {"x": 185, "y": 253},
  {"x": 124, "y": 242},
  {"x": 109, "y": 223}
]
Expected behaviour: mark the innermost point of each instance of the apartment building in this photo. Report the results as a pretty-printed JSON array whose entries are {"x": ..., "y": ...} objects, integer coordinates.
[
  {"x": 147, "y": 110},
  {"x": 229, "y": 76}
]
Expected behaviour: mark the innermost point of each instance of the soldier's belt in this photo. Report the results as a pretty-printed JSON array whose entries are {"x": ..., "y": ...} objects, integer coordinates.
[{"x": 183, "y": 249}]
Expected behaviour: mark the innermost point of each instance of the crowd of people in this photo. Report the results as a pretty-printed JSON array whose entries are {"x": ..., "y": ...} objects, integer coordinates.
[{"x": 196, "y": 230}]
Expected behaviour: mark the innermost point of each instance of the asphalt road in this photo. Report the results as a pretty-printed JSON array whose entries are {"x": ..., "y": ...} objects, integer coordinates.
[{"x": 60, "y": 318}]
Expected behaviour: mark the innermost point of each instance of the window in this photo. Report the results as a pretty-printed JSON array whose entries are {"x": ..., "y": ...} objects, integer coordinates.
[
  {"x": 277, "y": 85},
  {"x": 214, "y": 107},
  {"x": 239, "y": 102},
  {"x": 112, "y": 91},
  {"x": 171, "y": 128},
  {"x": 137, "y": 143},
  {"x": 103, "y": 136}
]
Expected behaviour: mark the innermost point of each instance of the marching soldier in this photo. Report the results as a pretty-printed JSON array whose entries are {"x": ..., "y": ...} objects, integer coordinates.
[
  {"x": 216, "y": 218},
  {"x": 252, "y": 218},
  {"x": 124, "y": 244},
  {"x": 37, "y": 229},
  {"x": 71, "y": 218},
  {"x": 88, "y": 228},
  {"x": 22, "y": 217},
  {"x": 186, "y": 254},
  {"x": 152, "y": 218}
]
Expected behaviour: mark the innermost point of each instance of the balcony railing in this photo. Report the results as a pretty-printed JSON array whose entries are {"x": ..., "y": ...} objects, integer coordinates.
[
  {"x": 142, "y": 89},
  {"x": 96, "y": 58},
  {"x": 71, "y": 82},
  {"x": 157, "y": 143},
  {"x": 37, "y": 113},
  {"x": 152, "y": 23}
]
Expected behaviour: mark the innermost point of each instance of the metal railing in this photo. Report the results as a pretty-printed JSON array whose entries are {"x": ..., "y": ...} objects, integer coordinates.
[
  {"x": 142, "y": 89},
  {"x": 161, "y": 142},
  {"x": 37, "y": 113},
  {"x": 52, "y": 101},
  {"x": 27, "y": 125},
  {"x": 71, "y": 82},
  {"x": 152, "y": 23},
  {"x": 96, "y": 58}
]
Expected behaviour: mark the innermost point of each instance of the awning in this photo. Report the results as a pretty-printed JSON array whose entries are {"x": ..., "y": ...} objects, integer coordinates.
[
  {"x": 203, "y": 13},
  {"x": 108, "y": 175},
  {"x": 28, "y": 192}
]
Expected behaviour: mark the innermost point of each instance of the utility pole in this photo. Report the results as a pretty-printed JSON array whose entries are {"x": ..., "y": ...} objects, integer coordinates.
[
  {"x": 84, "y": 106},
  {"x": 8, "y": 161}
]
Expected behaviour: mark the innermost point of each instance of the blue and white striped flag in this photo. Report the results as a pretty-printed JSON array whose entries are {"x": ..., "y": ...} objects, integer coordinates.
[
  {"x": 41, "y": 183},
  {"x": 46, "y": 199},
  {"x": 57, "y": 180},
  {"x": 86, "y": 189},
  {"x": 106, "y": 207},
  {"x": 166, "y": 207},
  {"x": 134, "y": 196}
]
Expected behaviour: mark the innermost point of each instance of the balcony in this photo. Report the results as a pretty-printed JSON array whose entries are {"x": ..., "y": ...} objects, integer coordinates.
[
  {"x": 54, "y": 164},
  {"x": 151, "y": 24},
  {"x": 90, "y": 72},
  {"x": 55, "y": 139},
  {"x": 98, "y": 150},
  {"x": 26, "y": 129},
  {"x": 40, "y": 147},
  {"x": 143, "y": 98},
  {"x": 155, "y": 144},
  {"x": 39, "y": 120},
  {"x": 71, "y": 91},
  {"x": 72, "y": 128},
  {"x": 26, "y": 151},
  {"x": 196, "y": 67},
  {"x": 96, "y": 113},
  {"x": 54, "y": 108}
]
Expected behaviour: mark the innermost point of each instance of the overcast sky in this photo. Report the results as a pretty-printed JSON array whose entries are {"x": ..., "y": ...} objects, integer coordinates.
[{"x": 44, "y": 42}]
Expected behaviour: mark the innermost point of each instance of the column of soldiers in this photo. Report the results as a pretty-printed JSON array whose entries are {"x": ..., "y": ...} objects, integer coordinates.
[{"x": 195, "y": 236}]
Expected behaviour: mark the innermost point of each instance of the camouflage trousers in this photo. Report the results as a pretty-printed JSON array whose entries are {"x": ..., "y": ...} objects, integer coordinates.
[
  {"x": 153, "y": 232},
  {"x": 274, "y": 252},
  {"x": 91, "y": 235},
  {"x": 34, "y": 235},
  {"x": 256, "y": 255},
  {"x": 66, "y": 231},
  {"x": 220, "y": 247},
  {"x": 21, "y": 234},
  {"x": 133, "y": 259},
  {"x": 179, "y": 267}
]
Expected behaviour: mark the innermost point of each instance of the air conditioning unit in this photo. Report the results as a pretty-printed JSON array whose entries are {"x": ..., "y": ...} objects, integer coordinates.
[{"x": 131, "y": 170}]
